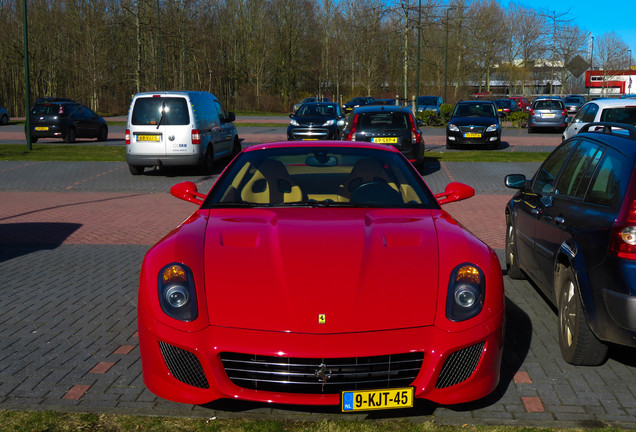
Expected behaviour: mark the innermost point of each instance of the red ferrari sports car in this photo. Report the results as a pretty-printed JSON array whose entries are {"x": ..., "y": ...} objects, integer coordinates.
[{"x": 321, "y": 273}]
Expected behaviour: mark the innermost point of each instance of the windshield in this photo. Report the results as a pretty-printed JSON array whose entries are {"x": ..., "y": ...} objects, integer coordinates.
[
  {"x": 320, "y": 177},
  {"x": 160, "y": 110},
  {"x": 474, "y": 110},
  {"x": 317, "y": 110}
]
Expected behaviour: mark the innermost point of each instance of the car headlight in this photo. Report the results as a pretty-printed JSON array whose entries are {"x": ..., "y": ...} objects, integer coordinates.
[
  {"x": 466, "y": 290},
  {"x": 293, "y": 122},
  {"x": 453, "y": 128},
  {"x": 329, "y": 122},
  {"x": 176, "y": 292},
  {"x": 492, "y": 128}
]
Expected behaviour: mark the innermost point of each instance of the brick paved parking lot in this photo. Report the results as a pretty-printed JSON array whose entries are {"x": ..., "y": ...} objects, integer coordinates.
[{"x": 72, "y": 238}]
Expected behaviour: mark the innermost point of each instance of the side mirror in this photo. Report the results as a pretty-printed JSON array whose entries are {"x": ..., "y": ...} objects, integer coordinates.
[
  {"x": 231, "y": 116},
  {"x": 291, "y": 115},
  {"x": 515, "y": 181},
  {"x": 568, "y": 120},
  {"x": 454, "y": 191},
  {"x": 187, "y": 191}
]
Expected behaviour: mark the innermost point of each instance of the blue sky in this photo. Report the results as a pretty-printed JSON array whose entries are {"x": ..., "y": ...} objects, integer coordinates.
[{"x": 596, "y": 16}]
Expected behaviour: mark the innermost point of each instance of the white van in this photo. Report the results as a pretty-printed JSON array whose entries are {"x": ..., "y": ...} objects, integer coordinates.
[{"x": 172, "y": 128}]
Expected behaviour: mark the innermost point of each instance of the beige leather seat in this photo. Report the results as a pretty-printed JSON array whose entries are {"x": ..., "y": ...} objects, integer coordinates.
[{"x": 271, "y": 184}]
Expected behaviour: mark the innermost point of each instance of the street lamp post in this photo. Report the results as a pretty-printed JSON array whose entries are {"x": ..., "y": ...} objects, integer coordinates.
[
  {"x": 446, "y": 57},
  {"x": 417, "y": 80},
  {"x": 629, "y": 71},
  {"x": 27, "y": 88}
]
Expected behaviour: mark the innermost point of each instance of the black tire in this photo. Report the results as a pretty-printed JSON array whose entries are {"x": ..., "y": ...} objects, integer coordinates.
[
  {"x": 530, "y": 130},
  {"x": 512, "y": 264},
  {"x": 578, "y": 344},
  {"x": 71, "y": 135},
  {"x": 103, "y": 134},
  {"x": 34, "y": 139},
  {"x": 449, "y": 145},
  {"x": 236, "y": 148},
  {"x": 208, "y": 160},
  {"x": 136, "y": 169},
  {"x": 4, "y": 120}
]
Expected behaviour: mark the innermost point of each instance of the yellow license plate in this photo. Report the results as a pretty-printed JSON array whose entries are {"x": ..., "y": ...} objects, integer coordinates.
[
  {"x": 365, "y": 400},
  {"x": 472, "y": 135},
  {"x": 42, "y": 128},
  {"x": 548, "y": 115},
  {"x": 391, "y": 140},
  {"x": 147, "y": 137}
]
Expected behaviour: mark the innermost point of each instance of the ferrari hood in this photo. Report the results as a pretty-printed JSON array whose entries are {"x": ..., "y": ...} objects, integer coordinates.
[{"x": 330, "y": 270}]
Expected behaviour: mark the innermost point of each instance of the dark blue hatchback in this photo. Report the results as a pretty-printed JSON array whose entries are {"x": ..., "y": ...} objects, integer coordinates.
[{"x": 572, "y": 230}]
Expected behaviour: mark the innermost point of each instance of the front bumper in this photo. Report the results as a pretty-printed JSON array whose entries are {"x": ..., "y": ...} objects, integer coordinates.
[
  {"x": 202, "y": 350},
  {"x": 300, "y": 133},
  {"x": 485, "y": 138}
]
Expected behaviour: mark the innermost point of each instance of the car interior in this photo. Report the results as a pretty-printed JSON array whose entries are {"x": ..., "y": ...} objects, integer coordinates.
[{"x": 365, "y": 180}]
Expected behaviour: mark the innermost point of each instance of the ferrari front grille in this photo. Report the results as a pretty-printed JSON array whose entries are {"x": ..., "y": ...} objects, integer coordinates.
[
  {"x": 459, "y": 366},
  {"x": 321, "y": 375},
  {"x": 184, "y": 365}
]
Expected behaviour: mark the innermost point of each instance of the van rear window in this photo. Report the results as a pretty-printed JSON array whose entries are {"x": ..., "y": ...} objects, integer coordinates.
[{"x": 160, "y": 110}]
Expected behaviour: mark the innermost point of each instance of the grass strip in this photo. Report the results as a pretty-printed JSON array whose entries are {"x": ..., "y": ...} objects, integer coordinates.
[
  {"x": 50, "y": 421},
  {"x": 63, "y": 152},
  {"x": 79, "y": 153}
]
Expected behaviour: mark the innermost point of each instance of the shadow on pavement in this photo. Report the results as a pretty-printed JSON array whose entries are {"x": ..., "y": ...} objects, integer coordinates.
[{"x": 17, "y": 239}]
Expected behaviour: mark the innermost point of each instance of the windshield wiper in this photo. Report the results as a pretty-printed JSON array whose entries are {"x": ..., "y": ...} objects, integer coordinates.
[{"x": 163, "y": 113}]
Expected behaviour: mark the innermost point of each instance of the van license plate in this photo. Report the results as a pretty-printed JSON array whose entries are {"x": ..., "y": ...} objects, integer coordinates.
[
  {"x": 41, "y": 128},
  {"x": 147, "y": 137},
  {"x": 365, "y": 400}
]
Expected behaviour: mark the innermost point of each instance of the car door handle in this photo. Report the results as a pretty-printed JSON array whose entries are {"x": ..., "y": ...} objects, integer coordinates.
[
  {"x": 559, "y": 220},
  {"x": 534, "y": 211}
]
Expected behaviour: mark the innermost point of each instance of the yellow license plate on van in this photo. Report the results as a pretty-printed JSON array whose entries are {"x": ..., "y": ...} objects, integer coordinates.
[
  {"x": 472, "y": 135},
  {"x": 365, "y": 400},
  {"x": 390, "y": 140},
  {"x": 147, "y": 137},
  {"x": 42, "y": 128}
]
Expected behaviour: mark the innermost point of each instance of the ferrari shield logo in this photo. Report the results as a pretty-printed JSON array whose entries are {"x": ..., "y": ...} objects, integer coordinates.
[{"x": 322, "y": 319}]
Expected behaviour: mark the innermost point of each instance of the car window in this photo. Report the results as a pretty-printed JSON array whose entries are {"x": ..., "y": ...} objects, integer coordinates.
[
  {"x": 605, "y": 188},
  {"x": 316, "y": 110},
  {"x": 383, "y": 120},
  {"x": 478, "y": 110},
  {"x": 549, "y": 171},
  {"x": 619, "y": 115},
  {"x": 590, "y": 113},
  {"x": 579, "y": 169},
  {"x": 320, "y": 176},
  {"x": 160, "y": 110},
  {"x": 548, "y": 105}
]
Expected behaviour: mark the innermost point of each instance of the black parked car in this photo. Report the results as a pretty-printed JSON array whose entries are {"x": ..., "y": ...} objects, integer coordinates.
[
  {"x": 387, "y": 124},
  {"x": 316, "y": 121},
  {"x": 505, "y": 107},
  {"x": 356, "y": 102},
  {"x": 572, "y": 230},
  {"x": 474, "y": 123},
  {"x": 66, "y": 120}
]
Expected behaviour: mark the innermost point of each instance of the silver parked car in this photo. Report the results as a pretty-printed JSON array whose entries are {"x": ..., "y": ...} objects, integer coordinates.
[
  {"x": 602, "y": 110},
  {"x": 547, "y": 113},
  {"x": 573, "y": 103}
]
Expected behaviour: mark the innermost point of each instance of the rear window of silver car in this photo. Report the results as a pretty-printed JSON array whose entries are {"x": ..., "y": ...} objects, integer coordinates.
[{"x": 160, "y": 110}]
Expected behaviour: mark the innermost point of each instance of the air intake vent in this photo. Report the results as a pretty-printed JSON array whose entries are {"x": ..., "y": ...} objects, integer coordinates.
[
  {"x": 184, "y": 365},
  {"x": 321, "y": 375},
  {"x": 460, "y": 366}
]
